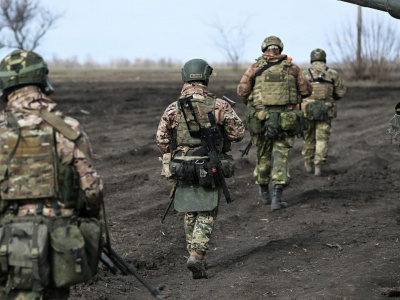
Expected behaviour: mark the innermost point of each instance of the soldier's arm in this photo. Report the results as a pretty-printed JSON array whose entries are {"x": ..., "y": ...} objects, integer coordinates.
[
  {"x": 227, "y": 117},
  {"x": 339, "y": 90},
  {"x": 165, "y": 127},
  {"x": 89, "y": 180},
  {"x": 303, "y": 84},
  {"x": 246, "y": 83}
]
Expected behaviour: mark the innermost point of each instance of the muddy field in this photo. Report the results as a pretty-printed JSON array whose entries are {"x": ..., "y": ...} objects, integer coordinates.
[{"x": 339, "y": 239}]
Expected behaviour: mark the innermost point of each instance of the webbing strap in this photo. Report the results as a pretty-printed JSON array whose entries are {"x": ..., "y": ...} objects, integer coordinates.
[
  {"x": 266, "y": 67},
  {"x": 35, "y": 252},
  {"x": 4, "y": 249},
  {"x": 14, "y": 123}
]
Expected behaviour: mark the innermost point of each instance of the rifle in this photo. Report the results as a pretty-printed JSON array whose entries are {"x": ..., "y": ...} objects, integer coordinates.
[
  {"x": 210, "y": 137},
  {"x": 126, "y": 268},
  {"x": 117, "y": 262},
  {"x": 171, "y": 198},
  {"x": 246, "y": 150}
]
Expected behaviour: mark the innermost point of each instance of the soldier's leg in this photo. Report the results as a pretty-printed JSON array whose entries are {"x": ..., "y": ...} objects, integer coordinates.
[
  {"x": 322, "y": 132},
  {"x": 189, "y": 222},
  {"x": 308, "y": 151},
  {"x": 262, "y": 171},
  {"x": 201, "y": 236},
  {"x": 280, "y": 170}
]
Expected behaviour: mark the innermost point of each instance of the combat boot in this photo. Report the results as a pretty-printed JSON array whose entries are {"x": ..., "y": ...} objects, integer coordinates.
[
  {"x": 308, "y": 167},
  {"x": 318, "y": 170},
  {"x": 196, "y": 264},
  {"x": 264, "y": 193},
  {"x": 277, "y": 203}
]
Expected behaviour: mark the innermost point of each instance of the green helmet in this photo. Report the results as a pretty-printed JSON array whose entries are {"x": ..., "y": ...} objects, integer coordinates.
[
  {"x": 21, "y": 68},
  {"x": 196, "y": 70},
  {"x": 272, "y": 40},
  {"x": 318, "y": 55}
]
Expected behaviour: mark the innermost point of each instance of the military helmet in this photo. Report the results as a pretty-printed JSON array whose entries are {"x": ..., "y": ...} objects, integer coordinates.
[
  {"x": 318, "y": 55},
  {"x": 196, "y": 70},
  {"x": 272, "y": 40},
  {"x": 21, "y": 68}
]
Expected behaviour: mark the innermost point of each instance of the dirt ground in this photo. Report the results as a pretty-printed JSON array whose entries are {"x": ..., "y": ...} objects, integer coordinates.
[{"x": 338, "y": 239}]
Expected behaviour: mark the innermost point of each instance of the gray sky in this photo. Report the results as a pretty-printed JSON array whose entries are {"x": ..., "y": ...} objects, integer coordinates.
[{"x": 181, "y": 30}]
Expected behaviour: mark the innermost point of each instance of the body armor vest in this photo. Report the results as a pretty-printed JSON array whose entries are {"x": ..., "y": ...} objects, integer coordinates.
[
  {"x": 28, "y": 162},
  {"x": 201, "y": 107},
  {"x": 275, "y": 86},
  {"x": 322, "y": 83}
]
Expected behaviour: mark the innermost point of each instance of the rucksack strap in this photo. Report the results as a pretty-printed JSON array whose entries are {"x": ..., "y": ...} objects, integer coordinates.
[{"x": 266, "y": 67}]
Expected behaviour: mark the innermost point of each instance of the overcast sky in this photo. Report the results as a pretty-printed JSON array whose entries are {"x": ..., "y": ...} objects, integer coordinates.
[{"x": 181, "y": 30}]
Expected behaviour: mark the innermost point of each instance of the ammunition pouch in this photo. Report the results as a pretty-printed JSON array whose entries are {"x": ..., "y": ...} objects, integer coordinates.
[
  {"x": 319, "y": 111},
  {"x": 203, "y": 170},
  {"x": 69, "y": 263},
  {"x": 24, "y": 261},
  {"x": 69, "y": 189},
  {"x": 293, "y": 122},
  {"x": 255, "y": 119},
  {"x": 272, "y": 126},
  {"x": 183, "y": 170}
]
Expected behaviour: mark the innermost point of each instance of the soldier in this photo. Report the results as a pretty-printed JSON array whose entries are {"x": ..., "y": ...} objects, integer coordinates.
[
  {"x": 272, "y": 88},
  {"x": 50, "y": 192},
  {"x": 184, "y": 156},
  {"x": 319, "y": 110}
]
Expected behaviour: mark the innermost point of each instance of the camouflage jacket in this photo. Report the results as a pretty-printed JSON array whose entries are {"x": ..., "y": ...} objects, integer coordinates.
[
  {"x": 319, "y": 68},
  {"x": 224, "y": 115},
  {"x": 246, "y": 84},
  {"x": 31, "y": 98}
]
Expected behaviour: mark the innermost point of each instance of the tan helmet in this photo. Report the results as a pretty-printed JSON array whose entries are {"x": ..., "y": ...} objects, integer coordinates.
[{"x": 272, "y": 40}]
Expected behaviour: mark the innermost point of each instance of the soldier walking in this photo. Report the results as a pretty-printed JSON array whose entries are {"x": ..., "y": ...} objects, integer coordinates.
[
  {"x": 50, "y": 192},
  {"x": 186, "y": 160},
  {"x": 272, "y": 88},
  {"x": 320, "y": 109}
]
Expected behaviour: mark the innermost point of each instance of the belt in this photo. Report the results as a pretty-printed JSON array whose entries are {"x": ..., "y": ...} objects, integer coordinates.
[{"x": 288, "y": 106}]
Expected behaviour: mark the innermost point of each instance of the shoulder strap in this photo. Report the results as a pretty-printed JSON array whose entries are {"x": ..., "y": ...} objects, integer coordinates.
[{"x": 266, "y": 67}]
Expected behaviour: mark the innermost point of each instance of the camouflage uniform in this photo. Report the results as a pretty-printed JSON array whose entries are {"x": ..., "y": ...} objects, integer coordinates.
[
  {"x": 24, "y": 103},
  {"x": 331, "y": 88},
  {"x": 272, "y": 154},
  {"x": 198, "y": 225}
]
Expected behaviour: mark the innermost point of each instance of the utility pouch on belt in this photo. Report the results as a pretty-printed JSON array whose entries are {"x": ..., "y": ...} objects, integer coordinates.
[
  {"x": 24, "y": 256},
  {"x": 166, "y": 160},
  {"x": 202, "y": 171},
  {"x": 228, "y": 166},
  {"x": 92, "y": 233},
  {"x": 183, "y": 170},
  {"x": 255, "y": 119},
  {"x": 292, "y": 121},
  {"x": 317, "y": 111},
  {"x": 68, "y": 260},
  {"x": 272, "y": 126}
]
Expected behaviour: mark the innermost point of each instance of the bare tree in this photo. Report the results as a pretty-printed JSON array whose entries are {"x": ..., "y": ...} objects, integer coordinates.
[
  {"x": 379, "y": 54},
  {"x": 231, "y": 42},
  {"x": 23, "y": 23}
]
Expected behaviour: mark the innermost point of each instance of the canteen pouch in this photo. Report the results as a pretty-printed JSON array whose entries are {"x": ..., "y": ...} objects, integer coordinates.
[
  {"x": 293, "y": 122},
  {"x": 183, "y": 170},
  {"x": 317, "y": 111},
  {"x": 91, "y": 231},
  {"x": 24, "y": 256},
  {"x": 68, "y": 259}
]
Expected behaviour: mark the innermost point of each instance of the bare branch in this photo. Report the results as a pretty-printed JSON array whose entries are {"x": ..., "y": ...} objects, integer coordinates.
[{"x": 23, "y": 23}]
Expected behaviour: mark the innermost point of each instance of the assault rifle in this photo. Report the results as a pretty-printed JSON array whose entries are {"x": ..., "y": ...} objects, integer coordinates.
[
  {"x": 171, "y": 199},
  {"x": 116, "y": 262},
  {"x": 210, "y": 137}
]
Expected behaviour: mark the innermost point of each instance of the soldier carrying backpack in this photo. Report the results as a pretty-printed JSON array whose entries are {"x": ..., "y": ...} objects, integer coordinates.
[{"x": 50, "y": 234}]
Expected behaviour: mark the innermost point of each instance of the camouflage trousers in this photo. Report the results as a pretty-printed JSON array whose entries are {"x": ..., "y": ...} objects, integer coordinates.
[
  {"x": 198, "y": 227},
  {"x": 272, "y": 160},
  {"x": 315, "y": 150}
]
